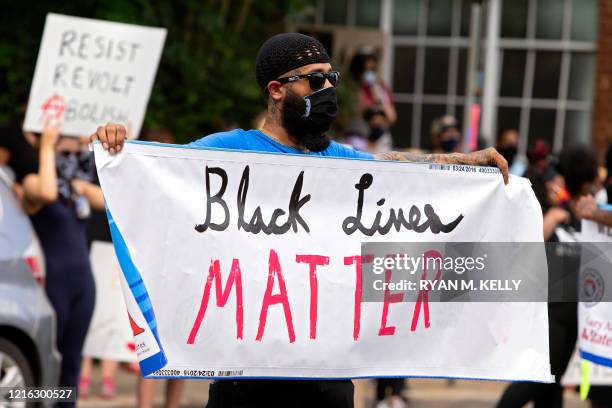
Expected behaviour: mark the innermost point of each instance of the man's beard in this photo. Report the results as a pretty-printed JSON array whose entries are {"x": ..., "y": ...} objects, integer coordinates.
[{"x": 299, "y": 128}]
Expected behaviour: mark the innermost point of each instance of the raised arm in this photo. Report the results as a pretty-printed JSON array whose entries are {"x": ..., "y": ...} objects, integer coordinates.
[
  {"x": 41, "y": 188},
  {"x": 486, "y": 157}
]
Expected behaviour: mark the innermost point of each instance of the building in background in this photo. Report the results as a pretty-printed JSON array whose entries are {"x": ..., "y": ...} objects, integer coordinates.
[{"x": 552, "y": 68}]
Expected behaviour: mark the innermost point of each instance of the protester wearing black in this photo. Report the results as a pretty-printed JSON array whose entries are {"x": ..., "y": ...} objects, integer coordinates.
[
  {"x": 578, "y": 166},
  {"x": 58, "y": 197}
]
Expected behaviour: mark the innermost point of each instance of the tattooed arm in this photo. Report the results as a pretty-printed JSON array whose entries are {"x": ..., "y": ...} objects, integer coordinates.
[{"x": 486, "y": 157}]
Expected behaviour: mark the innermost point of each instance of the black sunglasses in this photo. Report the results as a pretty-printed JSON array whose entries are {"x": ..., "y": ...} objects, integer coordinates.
[{"x": 316, "y": 80}]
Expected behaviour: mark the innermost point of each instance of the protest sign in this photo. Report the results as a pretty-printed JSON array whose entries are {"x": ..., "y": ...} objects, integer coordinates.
[
  {"x": 90, "y": 72},
  {"x": 109, "y": 335},
  {"x": 249, "y": 265},
  {"x": 598, "y": 374},
  {"x": 595, "y": 308}
]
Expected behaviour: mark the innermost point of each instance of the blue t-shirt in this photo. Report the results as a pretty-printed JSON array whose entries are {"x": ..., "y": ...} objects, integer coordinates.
[{"x": 254, "y": 140}]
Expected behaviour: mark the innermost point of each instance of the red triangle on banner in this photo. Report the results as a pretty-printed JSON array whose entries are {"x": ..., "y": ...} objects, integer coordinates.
[{"x": 135, "y": 328}]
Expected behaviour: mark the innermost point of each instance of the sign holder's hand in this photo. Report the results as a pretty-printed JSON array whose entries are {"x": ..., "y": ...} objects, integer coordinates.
[
  {"x": 112, "y": 136},
  {"x": 50, "y": 134},
  {"x": 488, "y": 157}
]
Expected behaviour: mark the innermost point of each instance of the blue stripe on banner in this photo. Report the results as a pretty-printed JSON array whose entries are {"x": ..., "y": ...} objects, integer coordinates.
[
  {"x": 145, "y": 304},
  {"x": 136, "y": 284},
  {"x": 139, "y": 290},
  {"x": 141, "y": 297},
  {"x": 148, "y": 314},
  {"x": 596, "y": 359},
  {"x": 151, "y": 364},
  {"x": 133, "y": 278},
  {"x": 607, "y": 207}
]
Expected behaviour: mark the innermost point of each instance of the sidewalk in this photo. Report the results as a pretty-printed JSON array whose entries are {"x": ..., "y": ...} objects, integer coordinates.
[{"x": 422, "y": 393}]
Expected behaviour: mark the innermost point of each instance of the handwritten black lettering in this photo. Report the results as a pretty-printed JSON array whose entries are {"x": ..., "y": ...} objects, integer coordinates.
[
  {"x": 58, "y": 73},
  {"x": 84, "y": 46},
  {"x": 94, "y": 112},
  {"x": 68, "y": 38},
  {"x": 396, "y": 218},
  {"x": 257, "y": 224},
  {"x": 215, "y": 199}
]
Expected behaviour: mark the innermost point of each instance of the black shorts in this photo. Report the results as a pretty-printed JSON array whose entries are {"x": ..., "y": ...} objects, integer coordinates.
[{"x": 281, "y": 393}]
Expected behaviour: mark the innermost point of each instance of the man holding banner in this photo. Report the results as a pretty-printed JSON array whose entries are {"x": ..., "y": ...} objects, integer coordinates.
[{"x": 297, "y": 79}]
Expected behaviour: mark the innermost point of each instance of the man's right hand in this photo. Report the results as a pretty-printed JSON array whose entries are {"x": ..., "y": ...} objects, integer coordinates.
[{"x": 112, "y": 136}]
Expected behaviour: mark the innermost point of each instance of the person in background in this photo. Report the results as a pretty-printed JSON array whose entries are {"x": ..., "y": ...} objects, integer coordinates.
[
  {"x": 369, "y": 133},
  {"x": 389, "y": 393},
  {"x": 355, "y": 134},
  {"x": 373, "y": 92},
  {"x": 577, "y": 165},
  {"x": 548, "y": 186},
  {"x": 507, "y": 146},
  {"x": 587, "y": 205},
  {"x": 556, "y": 199},
  {"x": 538, "y": 156},
  {"x": 109, "y": 372},
  {"x": 58, "y": 198},
  {"x": 379, "y": 138},
  {"x": 445, "y": 135}
]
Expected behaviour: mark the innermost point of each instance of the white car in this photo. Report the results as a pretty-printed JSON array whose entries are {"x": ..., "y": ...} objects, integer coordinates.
[{"x": 28, "y": 355}]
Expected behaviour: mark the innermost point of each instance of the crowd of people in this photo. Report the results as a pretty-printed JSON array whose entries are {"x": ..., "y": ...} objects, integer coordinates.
[{"x": 55, "y": 180}]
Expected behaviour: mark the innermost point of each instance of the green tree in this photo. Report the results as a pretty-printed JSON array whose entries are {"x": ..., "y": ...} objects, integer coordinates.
[{"x": 206, "y": 76}]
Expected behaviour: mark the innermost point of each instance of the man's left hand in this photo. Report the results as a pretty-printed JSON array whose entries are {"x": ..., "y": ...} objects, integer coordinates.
[{"x": 490, "y": 157}]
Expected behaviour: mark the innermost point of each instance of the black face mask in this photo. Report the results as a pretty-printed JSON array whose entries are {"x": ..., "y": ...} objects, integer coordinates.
[
  {"x": 509, "y": 153},
  {"x": 376, "y": 133},
  {"x": 449, "y": 145},
  {"x": 308, "y": 118}
]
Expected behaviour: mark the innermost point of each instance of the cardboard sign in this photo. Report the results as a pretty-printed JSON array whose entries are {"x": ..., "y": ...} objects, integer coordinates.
[
  {"x": 249, "y": 265},
  {"x": 90, "y": 72}
]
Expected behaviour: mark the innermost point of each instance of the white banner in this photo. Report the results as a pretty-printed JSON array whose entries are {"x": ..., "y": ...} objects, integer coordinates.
[
  {"x": 594, "y": 312},
  {"x": 90, "y": 72},
  {"x": 109, "y": 335},
  {"x": 247, "y": 264}
]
